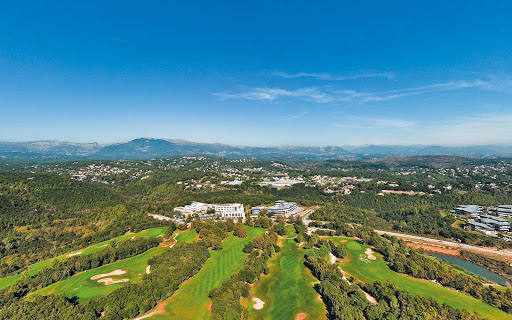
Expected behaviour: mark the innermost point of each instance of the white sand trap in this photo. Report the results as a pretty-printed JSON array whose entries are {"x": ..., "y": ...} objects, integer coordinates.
[
  {"x": 148, "y": 269},
  {"x": 259, "y": 304},
  {"x": 109, "y": 281},
  {"x": 145, "y": 316},
  {"x": 113, "y": 273},
  {"x": 370, "y": 298},
  {"x": 73, "y": 254},
  {"x": 333, "y": 258},
  {"x": 370, "y": 255}
]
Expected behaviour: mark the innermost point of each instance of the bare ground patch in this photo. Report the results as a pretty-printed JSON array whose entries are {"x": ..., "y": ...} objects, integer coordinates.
[
  {"x": 426, "y": 247},
  {"x": 73, "y": 254},
  {"x": 301, "y": 316}
]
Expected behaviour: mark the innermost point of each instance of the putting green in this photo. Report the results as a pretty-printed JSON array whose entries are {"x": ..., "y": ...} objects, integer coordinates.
[
  {"x": 288, "y": 289},
  {"x": 358, "y": 265},
  {"x": 191, "y": 300},
  {"x": 188, "y": 236},
  {"x": 38, "y": 266}
]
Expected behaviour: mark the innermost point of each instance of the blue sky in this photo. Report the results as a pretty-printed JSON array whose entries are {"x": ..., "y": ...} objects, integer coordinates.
[{"x": 257, "y": 73}]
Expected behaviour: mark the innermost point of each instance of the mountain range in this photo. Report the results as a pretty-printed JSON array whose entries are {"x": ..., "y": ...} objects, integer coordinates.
[{"x": 148, "y": 148}]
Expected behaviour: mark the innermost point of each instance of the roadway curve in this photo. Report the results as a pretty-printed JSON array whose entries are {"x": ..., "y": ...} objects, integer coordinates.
[{"x": 464, "y": 246}]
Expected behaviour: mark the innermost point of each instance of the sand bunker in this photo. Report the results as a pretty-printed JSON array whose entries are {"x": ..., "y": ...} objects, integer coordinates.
[
  {"x": 370, "y": 298},
  {"x": 113, "y": 273},
  {"x": 73, "y": 254},
  {"x": 333, "y": 258},
  {"x": 259, "y": 304},
  {"x": 148, "y": 269},
  {"x": 109, "y": 281},
  {"x": 301, "y": 316},
  {"x": 370, "y": 255}
]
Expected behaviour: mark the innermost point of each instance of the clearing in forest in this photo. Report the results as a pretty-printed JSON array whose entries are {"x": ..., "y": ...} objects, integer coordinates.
[
  {"x": 288, "y": 290},
  {"x": 358, "y": 265}
]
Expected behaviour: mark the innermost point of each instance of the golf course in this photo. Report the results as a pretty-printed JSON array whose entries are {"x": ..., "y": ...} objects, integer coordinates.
[
  {"x": 84, "y": 288},
  {"x": 288, "y": 289},
  {"x": 38, "y": 266},
  {"x": 191, "y": 300},
  {"x": 359, "y": 266}
]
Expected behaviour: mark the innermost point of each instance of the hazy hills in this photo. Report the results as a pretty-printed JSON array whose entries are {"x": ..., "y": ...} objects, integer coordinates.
[{"x": 146, "y": 148}]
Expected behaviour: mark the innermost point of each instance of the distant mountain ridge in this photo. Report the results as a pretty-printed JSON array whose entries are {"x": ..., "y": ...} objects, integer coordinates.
[{"x": 147, "y": 148}]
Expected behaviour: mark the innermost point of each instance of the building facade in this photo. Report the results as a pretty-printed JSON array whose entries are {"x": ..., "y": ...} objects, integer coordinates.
[
  {"x": 230, "y": 210},
  {"x": 469, "y": 209},
  {"x": 279, "y": 207}
]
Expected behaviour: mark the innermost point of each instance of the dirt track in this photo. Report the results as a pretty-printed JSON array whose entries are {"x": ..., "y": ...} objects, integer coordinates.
[{"x": 450, "y": 244}]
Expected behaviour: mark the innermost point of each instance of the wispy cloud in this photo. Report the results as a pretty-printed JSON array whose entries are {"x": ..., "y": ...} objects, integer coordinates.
[
  {"x": 119, "y": 40},
  {"x": 328, "y": 95},
  {"x": 476, "y": 129},
  {"x": 488, "y": 128},
  {"x": 296, "y": 116},
  {"x": 332, "y": 77},
  {"x": 271, "y": 94},
  {"x": 374, "y": 123}
]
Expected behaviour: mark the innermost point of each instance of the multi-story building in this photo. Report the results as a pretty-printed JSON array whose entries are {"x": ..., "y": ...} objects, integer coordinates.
[
  {"x": 497, "y": 223},
  {"x": 193, "y": 208},
  {"x": 279, "y": 207},
  {"x": 504, "y": 210},
  {"x": 469, "y": 209},
  {"x": 480, "y": 227},
  {"x": 231, "y": 210}
]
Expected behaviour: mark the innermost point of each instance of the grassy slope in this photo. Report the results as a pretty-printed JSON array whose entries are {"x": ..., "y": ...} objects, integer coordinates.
[
  {"x": 83, "y": 287},
  {"x": 38, "y": 266},
  {"x": 288, "y": 289},
  {"x": 369, "y": 271},
  {"x": 191, "y": 300}
]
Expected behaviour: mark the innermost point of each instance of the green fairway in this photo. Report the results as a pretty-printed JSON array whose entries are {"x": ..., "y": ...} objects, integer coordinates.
[
  {"x": 83, "y": 287},
  {"x": 191, "y": 300},
  {"x": 38, "y": 266},
  {"x": 290, "y": 231},
  {"x": 288, "y": 289},
  {"x": 188, "y": 236},
  {"x": 358, "y": 265}
]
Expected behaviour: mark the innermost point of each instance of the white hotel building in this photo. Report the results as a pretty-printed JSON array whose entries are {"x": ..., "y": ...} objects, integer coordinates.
[{"x": 230, "y": 210}]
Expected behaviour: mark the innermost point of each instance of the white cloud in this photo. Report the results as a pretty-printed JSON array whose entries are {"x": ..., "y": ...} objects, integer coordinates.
[
  {"x": 271, "y": 94},
  {"x": 327, "y": 95},
  {"x": 480, "y": 129},
  {"x": 492, "y": 128},
  {"x": 332, "y": 77},
  {"x": 398, "y": 93},
  {"x": 374, "y": 123},
  {"x": 296, "y": 116}
]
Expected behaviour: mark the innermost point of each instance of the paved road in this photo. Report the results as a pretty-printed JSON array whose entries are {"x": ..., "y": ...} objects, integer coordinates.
[{"x": 447, "y": 243}]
